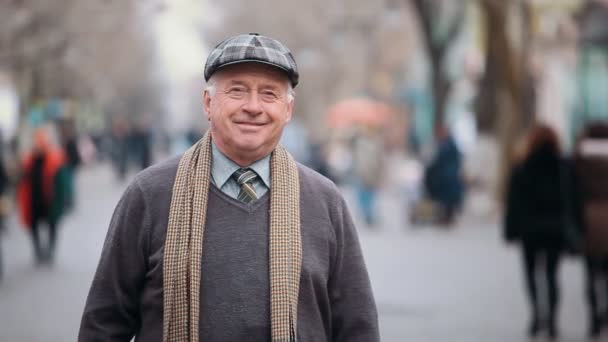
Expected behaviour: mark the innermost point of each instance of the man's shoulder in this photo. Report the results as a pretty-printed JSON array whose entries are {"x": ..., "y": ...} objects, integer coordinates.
[
  {"x": 312, "y": 181},
  {"x": 158, "y": 177}
]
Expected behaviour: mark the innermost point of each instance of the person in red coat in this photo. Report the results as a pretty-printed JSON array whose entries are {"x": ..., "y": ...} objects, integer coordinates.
[{"x": 41, "y": 193}]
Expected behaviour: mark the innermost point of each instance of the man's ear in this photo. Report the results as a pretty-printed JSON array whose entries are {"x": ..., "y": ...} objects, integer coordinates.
[
  {"x": 207, "y": 104},
  {"x": 289, "y": 110}
]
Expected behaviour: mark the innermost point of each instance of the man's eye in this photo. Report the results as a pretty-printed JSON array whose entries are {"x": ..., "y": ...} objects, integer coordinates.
[
  {"x": 269, "y": 95},
  {"x": 237, "y": 92}
]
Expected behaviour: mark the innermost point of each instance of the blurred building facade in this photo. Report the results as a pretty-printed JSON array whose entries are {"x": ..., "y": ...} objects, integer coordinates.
[{"x": 592, "y": 72}]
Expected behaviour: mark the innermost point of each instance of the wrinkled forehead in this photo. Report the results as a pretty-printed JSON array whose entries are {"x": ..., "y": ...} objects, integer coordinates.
[{"x": 253, "y": 73}]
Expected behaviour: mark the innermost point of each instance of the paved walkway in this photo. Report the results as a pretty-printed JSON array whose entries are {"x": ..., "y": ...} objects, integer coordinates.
[{"x": 431, "y": 285}]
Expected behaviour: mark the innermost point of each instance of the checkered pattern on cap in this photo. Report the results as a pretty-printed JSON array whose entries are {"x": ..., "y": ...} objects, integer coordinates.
[
  {"x": 184, "y": 245},
  {"x": 252, "y": 47}
]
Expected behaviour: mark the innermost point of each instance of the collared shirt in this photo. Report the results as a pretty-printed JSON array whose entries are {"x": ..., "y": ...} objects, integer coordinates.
[{"x": 223, "y": 167}]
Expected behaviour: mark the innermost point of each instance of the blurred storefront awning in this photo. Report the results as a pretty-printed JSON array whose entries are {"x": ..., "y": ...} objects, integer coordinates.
[{"x": 359, "y": 111}]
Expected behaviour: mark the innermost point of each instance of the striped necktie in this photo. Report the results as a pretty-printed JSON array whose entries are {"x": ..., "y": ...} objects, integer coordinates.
[{"x": 245, "y": 178}]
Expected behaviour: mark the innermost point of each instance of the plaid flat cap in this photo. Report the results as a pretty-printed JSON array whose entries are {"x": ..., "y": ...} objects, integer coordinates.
[{"x": 252, "y": 47}]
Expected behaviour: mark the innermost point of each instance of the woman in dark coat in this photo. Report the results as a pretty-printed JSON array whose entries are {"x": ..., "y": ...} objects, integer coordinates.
[{"x": 535, "y": 219}]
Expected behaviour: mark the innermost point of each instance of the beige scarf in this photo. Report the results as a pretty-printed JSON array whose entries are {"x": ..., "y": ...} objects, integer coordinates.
[{"x": 184, "y": 245}]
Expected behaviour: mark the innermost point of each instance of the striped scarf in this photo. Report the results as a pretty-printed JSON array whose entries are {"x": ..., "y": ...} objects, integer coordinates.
[{"x": 184, "y": 245}]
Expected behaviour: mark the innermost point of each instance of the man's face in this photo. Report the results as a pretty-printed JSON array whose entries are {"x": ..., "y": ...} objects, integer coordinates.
[{"x": 248, "y": 110}]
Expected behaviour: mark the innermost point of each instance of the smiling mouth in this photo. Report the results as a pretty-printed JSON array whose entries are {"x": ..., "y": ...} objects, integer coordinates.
[{"x": 253, "y": 124}]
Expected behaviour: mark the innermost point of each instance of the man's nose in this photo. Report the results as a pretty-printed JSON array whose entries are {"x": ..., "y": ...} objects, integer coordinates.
[{"x": 254, "y": 104}]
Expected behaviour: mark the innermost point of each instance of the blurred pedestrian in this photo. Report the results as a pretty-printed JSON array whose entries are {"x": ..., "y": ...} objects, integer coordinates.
[
  {"x": 340, "y": 159},
  {"x": 318, "y": 160},
  {"x": 69, "y": 140},
  {"x": 280, "y": 259},
  {"x": 592, "y": 173},
  {"x": 120, "y": 131},
  {"x": 369, "y": 167},
  {"x": 4, "y": 202},
  {"x": 443, "y": 177},
  {"x": 41, "y": 194},
  {"x": 141, "y": 143},
  {"x": 536, "y": 217}
]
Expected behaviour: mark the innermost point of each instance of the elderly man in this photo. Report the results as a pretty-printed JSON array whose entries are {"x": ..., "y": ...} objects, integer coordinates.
[{"x": 234, "y": 240}]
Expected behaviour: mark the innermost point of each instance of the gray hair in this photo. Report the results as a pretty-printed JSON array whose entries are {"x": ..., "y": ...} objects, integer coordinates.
[{"x": 212, "y": 87}]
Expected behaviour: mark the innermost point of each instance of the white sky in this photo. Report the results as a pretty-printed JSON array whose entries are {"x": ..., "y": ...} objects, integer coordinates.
[{"x": 181, "y": 48}]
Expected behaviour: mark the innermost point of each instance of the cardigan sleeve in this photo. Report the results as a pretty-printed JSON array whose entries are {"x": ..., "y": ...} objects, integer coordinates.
[
  {"x": 354, "y": 314},
  {"x": 111, "y": 312}
]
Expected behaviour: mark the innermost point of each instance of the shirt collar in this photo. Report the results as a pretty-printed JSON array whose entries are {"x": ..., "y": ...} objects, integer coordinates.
[{"x": 223, "y": 167}]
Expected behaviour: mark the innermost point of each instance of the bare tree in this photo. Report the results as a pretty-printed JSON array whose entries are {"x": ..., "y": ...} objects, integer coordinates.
[
  {"x": 440, "y": 22},
  {"x": 32, "y": 42},
  {"x": 506, "y": 93},
  {"x": 98, "y": 51}
]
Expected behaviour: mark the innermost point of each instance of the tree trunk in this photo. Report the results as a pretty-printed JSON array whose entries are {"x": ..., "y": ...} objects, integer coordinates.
[
  {"x": 436, "y": 51},
  {"x": 503, "y": 90},
  {"x": 441, "y": 91}
]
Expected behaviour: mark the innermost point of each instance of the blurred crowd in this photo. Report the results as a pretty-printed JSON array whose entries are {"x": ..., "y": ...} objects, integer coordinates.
[
  {"x": 38, "y": 171},
  {"x": 558, "y": 205},
  {"x": 556, "y": 201}
]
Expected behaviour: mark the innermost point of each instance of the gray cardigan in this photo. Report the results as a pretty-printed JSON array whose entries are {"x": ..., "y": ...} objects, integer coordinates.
[{"x": 126, "y": 297}]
